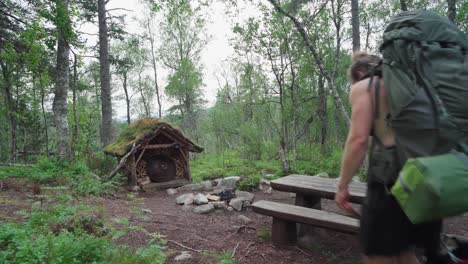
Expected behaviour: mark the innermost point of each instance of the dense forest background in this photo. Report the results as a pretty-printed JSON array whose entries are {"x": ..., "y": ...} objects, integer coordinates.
[{"x": 281, "y": 98}]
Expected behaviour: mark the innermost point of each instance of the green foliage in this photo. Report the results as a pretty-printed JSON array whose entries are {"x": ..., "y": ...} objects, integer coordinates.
[
  {"x": 264, "y": 234},
  {"x": 312, "y": 161},
  {"x": 76, "y": 175},
  {"x": 250, "y": 183},
  {"x": 206, "y": 167},
  {"x": 69, "y": 234},
  {"x": 226, "y": 258}
]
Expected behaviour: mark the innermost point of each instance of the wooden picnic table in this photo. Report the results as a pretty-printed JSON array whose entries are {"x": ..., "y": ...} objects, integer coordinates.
[{"x": 309, "y": 191}]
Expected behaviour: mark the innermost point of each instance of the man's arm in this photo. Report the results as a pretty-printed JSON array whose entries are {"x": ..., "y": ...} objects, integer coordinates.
[{"x": 359, "y": 132}]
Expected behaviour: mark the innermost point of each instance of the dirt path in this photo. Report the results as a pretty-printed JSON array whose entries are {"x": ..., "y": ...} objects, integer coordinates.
[{"x": 222, "y": 231}]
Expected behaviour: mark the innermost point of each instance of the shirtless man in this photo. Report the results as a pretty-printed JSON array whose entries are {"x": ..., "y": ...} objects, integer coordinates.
[{"x": 386, "y": 235}]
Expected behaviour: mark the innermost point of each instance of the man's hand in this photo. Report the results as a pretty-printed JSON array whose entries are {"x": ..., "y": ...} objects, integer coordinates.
[{"x": 342, "y": 198}]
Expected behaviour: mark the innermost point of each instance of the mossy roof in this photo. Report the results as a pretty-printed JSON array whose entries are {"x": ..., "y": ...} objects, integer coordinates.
[{"x": 141, "y": 129}]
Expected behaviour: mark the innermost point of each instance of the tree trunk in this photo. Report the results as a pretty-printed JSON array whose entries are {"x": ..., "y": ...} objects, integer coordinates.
[
  {"x": 60, "y": 105},
  {"x": 44, "y": 116},
  {"x": 106, "y": 102},
  {"x": 337, "y": 126},
  {"x": 403, "y": 5},
  {"x": 140, "y": 87},
  {"x": 355, "y": 24},
  {"x": 323, "y": 113},
  {"x": 75, "y": 115},
  {"x": 283, "y": 150},
  {"x": 318, "y": 61},
  {"x": 11, "y": 110},
  {"x": 452, "y": 10},
  {"x": 127, "y": 98},
  {"x": 153, "y": 59}
]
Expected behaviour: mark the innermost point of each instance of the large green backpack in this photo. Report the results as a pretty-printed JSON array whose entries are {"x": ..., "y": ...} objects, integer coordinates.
[{"x": 425, "y": 71}]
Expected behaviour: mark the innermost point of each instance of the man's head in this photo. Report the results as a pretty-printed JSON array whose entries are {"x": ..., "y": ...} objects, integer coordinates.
[{"x": 361, "y": 63}]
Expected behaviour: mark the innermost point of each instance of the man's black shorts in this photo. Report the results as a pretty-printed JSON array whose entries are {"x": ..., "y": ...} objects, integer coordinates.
[{"x": 385, "y": 229}]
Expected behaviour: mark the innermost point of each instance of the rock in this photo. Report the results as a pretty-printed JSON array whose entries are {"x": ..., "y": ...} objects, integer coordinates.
[
  {"x": 207, "y": 186},
  {"x": 236, "y": 203},
  {"x": 244, "y": 219},
  {"x": 216, "y": 182},
  {"x": 184, "y": 256},
  {"x": 245, "y": 204},
  {"x": 192, "y": 187},
  {"x": 185, "y": 197},
  {"x": 204, "y": 209},
  {"x": 171, "y": 191},
  {"x": 187, "y": 208},
  {"x": 246, "y": 195},
  {"x": 145, "y": 210},
  {"x": 224, "y": 194},
  {"x": 220, "y": 205},
  {"x": 263, "y": 184},
  {"x": 212, "y": 197},
  {"x": 268, "y": 190},
  {"x": 200, "y": 199},
  {"x": 230, "y": 209},
  {"x": 269, "y": 176},
  {"x": 323, "y": 175},
  {"x": 189, "y": 201},
  {"x": 228, "y": 183}
]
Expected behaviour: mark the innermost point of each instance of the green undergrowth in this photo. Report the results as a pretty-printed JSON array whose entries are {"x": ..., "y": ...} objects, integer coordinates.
[
  {"x": 310, "y": 161},
  {"x": 75, "y": 175},
  {"x": 67, "y": 233},
  {"x": 264, "y": 234}
]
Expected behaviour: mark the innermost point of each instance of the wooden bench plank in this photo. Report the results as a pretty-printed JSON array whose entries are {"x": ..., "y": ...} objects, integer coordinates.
[
  {"x": 318, "y": 187},
  {"x": 308, "y": 216}
]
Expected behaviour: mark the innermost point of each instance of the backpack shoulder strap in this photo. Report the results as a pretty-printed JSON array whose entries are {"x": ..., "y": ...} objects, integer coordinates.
[{"x": 377, "y": 95}]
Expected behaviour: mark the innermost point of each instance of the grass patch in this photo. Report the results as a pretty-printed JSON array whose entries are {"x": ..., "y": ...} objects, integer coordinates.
[
  {"x": 67, "y": 233},
  {"x": 264, "y": 234},
  {"x": 53, "y": 173}
]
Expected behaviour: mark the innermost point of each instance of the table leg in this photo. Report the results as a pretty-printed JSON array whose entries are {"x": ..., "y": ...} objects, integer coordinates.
[
  {"x": 309, "y": 202},
  {"x": 283, "y": 233}
]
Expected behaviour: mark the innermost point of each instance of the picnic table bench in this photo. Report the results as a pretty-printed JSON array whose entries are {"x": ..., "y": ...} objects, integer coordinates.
[{"x": 309, "y": 191}]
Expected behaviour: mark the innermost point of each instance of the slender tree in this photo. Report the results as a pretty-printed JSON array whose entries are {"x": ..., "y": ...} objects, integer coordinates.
[
  {"x": 153, "y": 63},
  {"x": 403, "y": 5},
  {"x": 106, "y": 101},
  {"x": 317, "y": 58},
  {"x": 452, "y": 10},
  {"x": 60, "y": 105},
  {"x": 355, "y": 25}
]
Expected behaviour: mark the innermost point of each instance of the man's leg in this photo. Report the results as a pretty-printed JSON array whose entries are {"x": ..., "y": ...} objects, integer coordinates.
[
  {"x": 379, "y": 260},
  {"x": 407, "y": 258},
  {"x": 404, "y": 258}
]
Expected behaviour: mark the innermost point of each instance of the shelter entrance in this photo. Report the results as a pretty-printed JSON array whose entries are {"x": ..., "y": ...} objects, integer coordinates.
[{"x": 161, "y": 169}]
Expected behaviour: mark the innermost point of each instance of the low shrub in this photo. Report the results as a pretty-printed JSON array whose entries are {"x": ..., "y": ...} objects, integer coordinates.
[
  {"x": 249, "y": 183},
  {"x": 69, "y": 234}
]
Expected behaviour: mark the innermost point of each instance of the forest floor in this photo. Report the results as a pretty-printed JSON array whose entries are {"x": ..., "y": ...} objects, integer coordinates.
[{"x": 211, "y": 236}]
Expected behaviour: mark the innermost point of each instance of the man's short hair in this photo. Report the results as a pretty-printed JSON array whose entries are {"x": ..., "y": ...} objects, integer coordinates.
[{"x": 361, "y": 63}]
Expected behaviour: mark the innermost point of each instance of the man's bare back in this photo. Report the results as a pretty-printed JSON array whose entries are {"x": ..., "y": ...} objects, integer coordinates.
[{"x": 381, "y": 124}]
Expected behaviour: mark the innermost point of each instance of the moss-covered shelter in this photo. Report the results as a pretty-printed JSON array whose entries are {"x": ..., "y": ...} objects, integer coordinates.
[{"x": 154, "y": 153}]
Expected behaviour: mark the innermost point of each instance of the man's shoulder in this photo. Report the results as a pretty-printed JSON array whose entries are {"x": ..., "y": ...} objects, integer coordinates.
[
  {"x": 360, "y": 86},
  {"x": 363, "y": 83}
]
